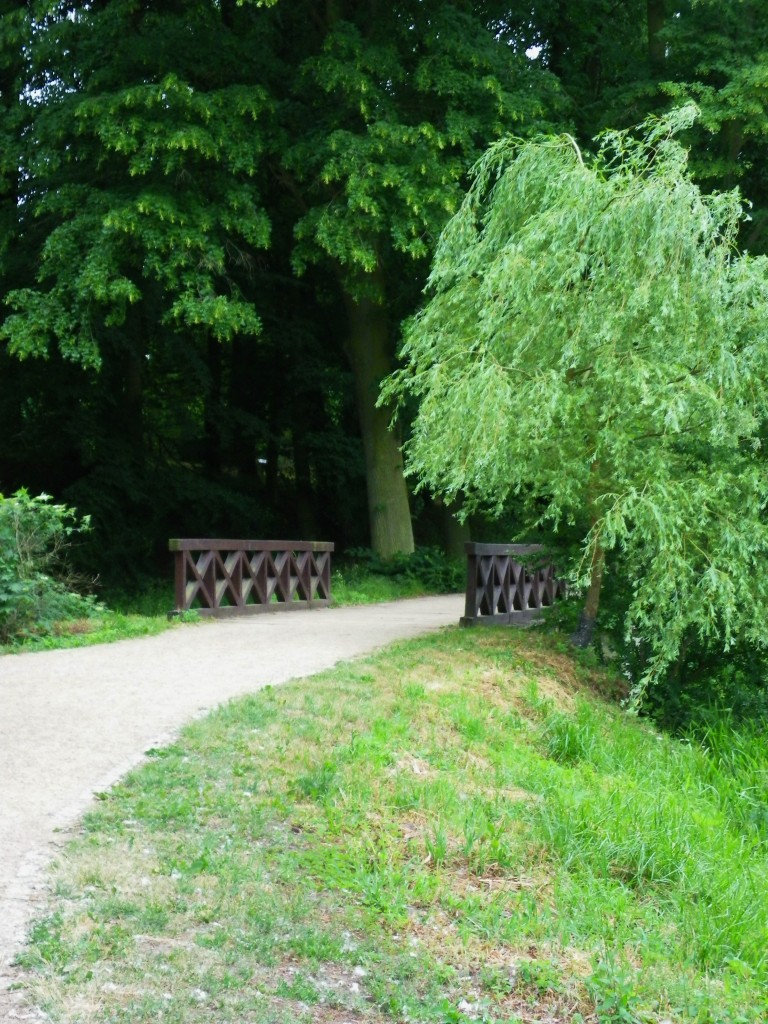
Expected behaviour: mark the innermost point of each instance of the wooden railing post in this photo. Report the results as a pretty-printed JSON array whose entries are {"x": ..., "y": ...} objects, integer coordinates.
[
  {"x": 470, "y": 603},
  {"x": 179, "y": 580}
]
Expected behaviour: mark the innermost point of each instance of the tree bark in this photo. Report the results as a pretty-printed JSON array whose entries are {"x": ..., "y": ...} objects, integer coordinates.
[
  {"x": 304, "y": 503},
  {"x": 656, "y": 46},
  {"x": 213, "y": 400},
  {"x": 455, "y": 533},
  {"x": 733, "y": 136},
  {"x": 128, "y": 414},
  {"x": 370, "y": 355},
  {"x": 586, "y": 629}
]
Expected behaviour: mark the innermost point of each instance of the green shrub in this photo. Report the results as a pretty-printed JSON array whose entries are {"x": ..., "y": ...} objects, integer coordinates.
[
  {"x": 697, "y": 687},
  {"x": 35, "y": 589},
  {"x": 431, "y": 567}
]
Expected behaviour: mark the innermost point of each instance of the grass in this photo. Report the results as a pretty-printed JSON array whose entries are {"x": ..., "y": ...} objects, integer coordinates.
[
  {"x": 120, "y": 617},
  {"x": 457, "y": 829},
  {"x": 124, "y": 616},
  {"x": 104, "y": 627}
]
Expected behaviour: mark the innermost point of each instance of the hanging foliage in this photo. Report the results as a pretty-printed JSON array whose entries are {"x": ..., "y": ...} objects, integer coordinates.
[{"x": 594, "y": 342}]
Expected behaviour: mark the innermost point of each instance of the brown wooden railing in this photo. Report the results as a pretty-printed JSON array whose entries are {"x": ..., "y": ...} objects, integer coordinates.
[
  {"x": 505, "y": 585},
  {"x": 234, "y": 577}
]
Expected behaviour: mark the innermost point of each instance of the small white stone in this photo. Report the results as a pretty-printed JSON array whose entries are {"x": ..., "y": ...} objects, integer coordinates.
[{"x": 470, "y": 1009}]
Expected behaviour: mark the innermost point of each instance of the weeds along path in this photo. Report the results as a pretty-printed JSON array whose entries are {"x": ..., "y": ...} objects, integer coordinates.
[{"x": 72, "y": 722}]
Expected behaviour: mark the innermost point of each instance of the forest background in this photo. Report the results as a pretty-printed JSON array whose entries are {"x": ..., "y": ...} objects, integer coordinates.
[{"x": 215, "y": 217}]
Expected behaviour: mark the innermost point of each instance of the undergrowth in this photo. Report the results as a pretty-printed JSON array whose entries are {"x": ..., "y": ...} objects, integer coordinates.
[{"x": 121, "y": 614}]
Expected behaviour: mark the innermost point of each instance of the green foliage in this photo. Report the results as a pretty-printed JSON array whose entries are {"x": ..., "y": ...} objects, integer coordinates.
[
  {"x": 388, "y": 112},
  {"x": 392, "y": 128},
  {"x": 614, "y": 994},
  {"x": 706, "y": 683},
  {"x": 167, "y": 197},
  {"x": 717, "y": 59},
  {"x": 429, "y": 567},
  {"x": 160, "y": 198},
  {"x": 700, "y": 684},
  {"x": 617, "y": 340},
  {"x": 617, "y": 62},
  {"x": 155, "y": 209},
  {"x": 35, "y": 588}
]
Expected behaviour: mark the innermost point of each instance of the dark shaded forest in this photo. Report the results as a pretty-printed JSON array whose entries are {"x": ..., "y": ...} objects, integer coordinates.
[{"x": 215, "y": 217}]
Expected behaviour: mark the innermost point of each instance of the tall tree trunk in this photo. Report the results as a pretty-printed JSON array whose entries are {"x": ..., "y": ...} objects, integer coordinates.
[
  {"x": 14, "y": 36},
  {"x": 304, "y": 502},
  {"x": 370, "y": 355},
  {"x": 213, "y": 400},
  {"x": 455, "y": 533},
  {"x": 586, "y": 628},
  {"x": 557, "y": 35},
  {"x": 732, "y": 133},
  {"x": 656, "y": 46},
  {"x": 129, "y": 414}
]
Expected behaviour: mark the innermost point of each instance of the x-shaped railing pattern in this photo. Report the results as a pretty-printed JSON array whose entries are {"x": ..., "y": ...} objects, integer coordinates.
[
  {"x": 218, "y": 577},
  {"x": 502, "y": 588}
]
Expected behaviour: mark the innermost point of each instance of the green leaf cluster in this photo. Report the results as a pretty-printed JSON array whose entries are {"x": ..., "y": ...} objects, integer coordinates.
[
  {"x": 399, "y": 109},
  {"x": 594, "y": 343},
  {"x": 142, "y": 174},
  {"x": 35, "y": 590}
]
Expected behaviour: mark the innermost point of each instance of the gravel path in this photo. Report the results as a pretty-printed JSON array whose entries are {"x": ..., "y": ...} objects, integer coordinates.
[{"x": 72, "y": 722}]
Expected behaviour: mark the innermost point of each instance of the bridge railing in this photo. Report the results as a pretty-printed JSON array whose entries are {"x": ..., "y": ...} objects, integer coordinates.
[
  {"x": 506, "y": 584},
  {"x": 236, "y": 577}
]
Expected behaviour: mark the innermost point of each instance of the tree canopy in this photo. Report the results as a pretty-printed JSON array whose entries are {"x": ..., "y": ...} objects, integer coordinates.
[
  {"x": 214, "y": 217},
  {"x": 594, "y": 343},
  {"x": 175, "y": 200}
]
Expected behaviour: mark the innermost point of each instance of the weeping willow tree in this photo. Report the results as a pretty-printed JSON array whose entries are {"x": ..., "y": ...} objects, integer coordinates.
[{"x": 594, "y": 343}]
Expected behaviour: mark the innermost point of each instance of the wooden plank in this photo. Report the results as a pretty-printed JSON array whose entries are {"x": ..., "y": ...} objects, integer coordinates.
[
  {"x": 260, "y": 609},
  {"x": 216, "y": 544},
  {"x": 510, "y": 550},
  {"x": 513, "y": 619},
  {"x": 502, "y": 589}
]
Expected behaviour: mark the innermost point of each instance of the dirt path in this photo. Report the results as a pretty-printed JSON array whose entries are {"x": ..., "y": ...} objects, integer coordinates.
[{"x": 72, "y": 722}]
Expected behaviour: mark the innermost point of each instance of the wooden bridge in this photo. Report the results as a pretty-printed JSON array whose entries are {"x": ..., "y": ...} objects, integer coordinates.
[
  {"x": 507, "y": 584},
  {"x": 235, "y": 577}
]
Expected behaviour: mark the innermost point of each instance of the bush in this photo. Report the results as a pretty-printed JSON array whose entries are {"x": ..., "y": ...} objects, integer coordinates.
[
  {"x": 436, "y": 571},
  {"x": 35, "y": 589},
  {"x": 698, "y": 686}
]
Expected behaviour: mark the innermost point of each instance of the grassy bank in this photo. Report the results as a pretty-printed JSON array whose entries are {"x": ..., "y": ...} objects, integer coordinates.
[{"x": 458, "y": 829}]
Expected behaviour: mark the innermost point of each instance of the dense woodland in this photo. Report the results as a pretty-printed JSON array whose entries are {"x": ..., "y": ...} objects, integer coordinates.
[{"x": 216, "y": 216}]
